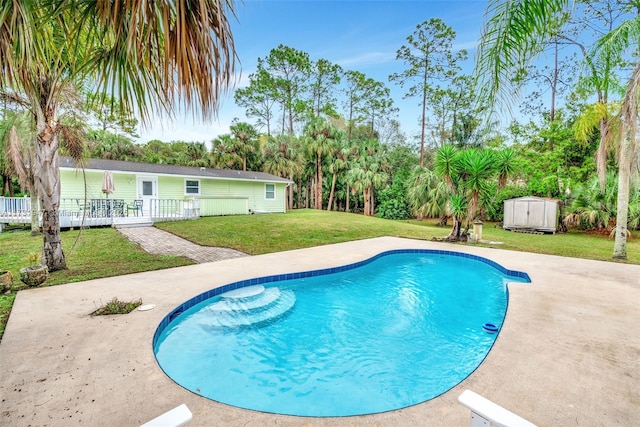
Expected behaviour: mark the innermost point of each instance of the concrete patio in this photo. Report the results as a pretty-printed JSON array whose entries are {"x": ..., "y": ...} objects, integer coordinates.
[{"x": 568, "y": 353}]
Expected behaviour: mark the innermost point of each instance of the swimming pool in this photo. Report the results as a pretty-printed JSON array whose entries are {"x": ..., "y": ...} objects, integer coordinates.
[{"x": 398, "y": 329}]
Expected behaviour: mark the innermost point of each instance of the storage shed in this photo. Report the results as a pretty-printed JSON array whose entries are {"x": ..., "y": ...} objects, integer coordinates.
[{"x": 531, "y": 214}]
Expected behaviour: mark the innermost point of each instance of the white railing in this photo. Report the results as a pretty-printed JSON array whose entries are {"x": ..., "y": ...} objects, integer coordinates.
[
  {"x": 92, "y": 212},
  {"x": 15, "y": 207},
  {"x": 171, "y": 209}
]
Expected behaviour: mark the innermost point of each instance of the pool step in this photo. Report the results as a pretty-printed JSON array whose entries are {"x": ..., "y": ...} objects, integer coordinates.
[
  {"x": 249, "y": 307},
  {"x": 252, "y": 302}
]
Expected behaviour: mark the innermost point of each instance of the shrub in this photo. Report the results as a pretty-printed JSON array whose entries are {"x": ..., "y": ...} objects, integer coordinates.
[{"x": 115, "y": 306}]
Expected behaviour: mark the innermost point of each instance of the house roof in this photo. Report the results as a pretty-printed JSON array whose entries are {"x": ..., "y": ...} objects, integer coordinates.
[{"x": 161, "y": 169}]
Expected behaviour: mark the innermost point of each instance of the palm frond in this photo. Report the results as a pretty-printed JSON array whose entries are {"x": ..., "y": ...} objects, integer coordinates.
[
  {"x": 515, "y": 32},
  {"x": 617, "y": 41},
  {"x": 590, "y": 119},
  {"x": 153, "y": 57}
]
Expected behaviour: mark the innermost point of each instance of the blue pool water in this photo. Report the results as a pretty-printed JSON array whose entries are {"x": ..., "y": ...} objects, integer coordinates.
[{"x": 398, "y": 330}]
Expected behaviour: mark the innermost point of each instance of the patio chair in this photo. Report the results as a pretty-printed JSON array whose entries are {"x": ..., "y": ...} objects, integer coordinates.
[
  {"x": 117, "y": 207},
  {"x": 136, "y": 207}
]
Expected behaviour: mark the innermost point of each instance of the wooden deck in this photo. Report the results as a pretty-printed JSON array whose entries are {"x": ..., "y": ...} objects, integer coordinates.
[{"x": 75, "y": 213}]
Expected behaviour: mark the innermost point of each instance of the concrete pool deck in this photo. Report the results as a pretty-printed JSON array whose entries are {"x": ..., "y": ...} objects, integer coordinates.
[{"x": 568, "y": 353}]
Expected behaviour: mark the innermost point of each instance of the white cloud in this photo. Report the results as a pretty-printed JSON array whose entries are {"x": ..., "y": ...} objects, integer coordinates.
[
  {"x": 185, "y": 128},
  {"x": 242, "y": 80},
  {"x": 468, "y": 45},
  {"x": 365, "y": 59}
]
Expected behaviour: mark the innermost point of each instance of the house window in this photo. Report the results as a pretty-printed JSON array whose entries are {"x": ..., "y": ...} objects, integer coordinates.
[
  {"x": 270, "y": 191},
  {"x": 192, "y": 186},
  {"x": 147, "y": 188}
]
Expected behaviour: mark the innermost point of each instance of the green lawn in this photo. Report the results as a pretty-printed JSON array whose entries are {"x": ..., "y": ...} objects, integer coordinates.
[
  {"x": 104, "y": 252},
  {"x": 98, "y": 253},
  {"x": 259, "y": 234}
]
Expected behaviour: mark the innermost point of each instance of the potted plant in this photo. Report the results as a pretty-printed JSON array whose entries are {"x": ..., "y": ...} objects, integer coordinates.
[
  {"x": 6, "y": 280},
  {"x": 35, "y": 274}
]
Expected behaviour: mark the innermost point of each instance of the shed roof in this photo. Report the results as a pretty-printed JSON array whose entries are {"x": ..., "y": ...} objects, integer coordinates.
[
  {"x": 162, "y": 169},
  {"x": 535, "y": 198}
]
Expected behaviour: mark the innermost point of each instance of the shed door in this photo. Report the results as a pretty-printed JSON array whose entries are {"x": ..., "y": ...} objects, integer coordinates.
[
  {"x": 551, "y": 220},
  {"x": 508, "y": 214},
  {"x": 536, "y": 214},
  {"x": 521, "y": 213}
]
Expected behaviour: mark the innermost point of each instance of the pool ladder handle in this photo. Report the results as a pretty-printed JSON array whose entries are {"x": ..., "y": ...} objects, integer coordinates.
[
  {"x": 176, "y": 417},
  {"x": 485, "y": 413}
]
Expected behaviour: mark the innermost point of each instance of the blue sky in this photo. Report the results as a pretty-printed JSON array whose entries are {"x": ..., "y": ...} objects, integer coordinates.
[{"x": 358, "y": 35}]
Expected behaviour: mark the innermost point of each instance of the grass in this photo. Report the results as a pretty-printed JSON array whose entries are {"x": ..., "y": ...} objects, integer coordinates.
[
  {"x": 100, "y": 252},
  {"x": 574, "y": 244},
  {"x": 259, "y": 234},
  {"x": 104, "y": 252}
]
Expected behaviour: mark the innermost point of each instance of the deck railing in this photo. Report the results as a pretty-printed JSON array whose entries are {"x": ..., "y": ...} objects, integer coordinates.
[
  {"x": 15, "y": 206},
  {"x": 92, "y": 212}
]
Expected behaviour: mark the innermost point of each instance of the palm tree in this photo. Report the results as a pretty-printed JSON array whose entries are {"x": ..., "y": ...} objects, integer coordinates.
[
  {"x": 593, "y": 207},
  {"x": 517, "y": 31},
  {"x": 446, "y": 165},
  {"x": 476, "y": 168},
  {"x": 467, "y": 175},
  {"x": 282, "y": 157},
  {"x": 223, "y": 154},
  {"x": 505, "y": 165},
  {"x": 16, "y": 140},
  {"x": 321, "y": 138},
  {"x": 448, "y": 169},
  {"x": 150, "y": 56},
  {"x": 245, "y": 141},
  {"x": 194, "y": 154},
  {"x": 427, "y": 195},
  {"x": 11, "y": 149},
  {"x": 457, "y": 208},
  {"x": 338, "y": 163},
  {"x": 368, "y": 172}
]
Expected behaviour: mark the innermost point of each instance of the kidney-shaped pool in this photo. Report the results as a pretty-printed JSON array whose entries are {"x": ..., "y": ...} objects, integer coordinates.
[{"x": 395, "y": 330}]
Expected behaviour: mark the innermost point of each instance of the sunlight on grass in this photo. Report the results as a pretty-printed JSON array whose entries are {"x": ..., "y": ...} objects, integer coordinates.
[{"x": 259, "y": 234}]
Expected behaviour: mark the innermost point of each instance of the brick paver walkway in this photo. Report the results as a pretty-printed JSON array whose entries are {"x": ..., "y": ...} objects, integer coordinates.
[{"x": 156, "y": 241}]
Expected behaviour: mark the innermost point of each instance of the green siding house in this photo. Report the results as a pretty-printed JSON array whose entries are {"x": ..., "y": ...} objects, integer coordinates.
[{"x": 118, "y": 189}]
